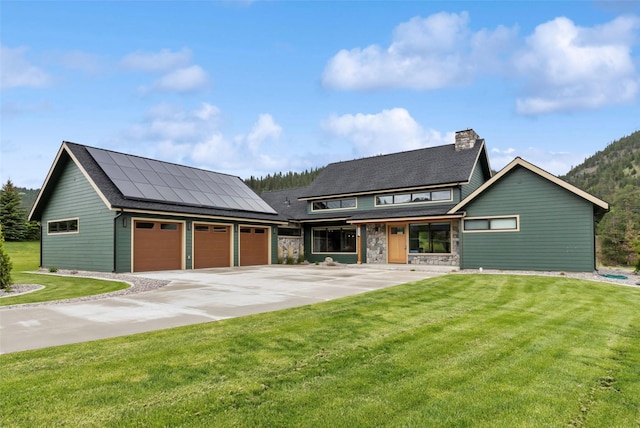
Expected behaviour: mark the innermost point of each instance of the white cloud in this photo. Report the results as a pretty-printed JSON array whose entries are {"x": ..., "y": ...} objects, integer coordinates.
[
  {"x": 187, "y": 79},
  {"x": 164, "y": 60},
  {"x": 426, "y": 53},
  {"x": 264, "y": 129},
  {"x": 195, "y": 137},
  {"x": 18, "y": 72},
  {"x": 389, "y": 131},
  {"x": 557, "y": 163},
  {"x": 567, "y": 67},
  {"x": 164, "y": 122}
]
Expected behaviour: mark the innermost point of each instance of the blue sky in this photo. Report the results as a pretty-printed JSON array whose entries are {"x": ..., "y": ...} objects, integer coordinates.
[{"x": 251, "y": 88}]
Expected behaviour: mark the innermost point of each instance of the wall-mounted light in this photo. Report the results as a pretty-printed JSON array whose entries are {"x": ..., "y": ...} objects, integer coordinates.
[
  {"x": 188, "y": 225},
  {"x": 124, "y": 222}
]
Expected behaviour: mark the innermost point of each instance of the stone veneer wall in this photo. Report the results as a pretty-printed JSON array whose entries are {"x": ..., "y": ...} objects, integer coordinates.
[
  {"x": 290, "y": 246},
  {"x": 376, "y": 243},
  {"x": 377, "y": 248}
]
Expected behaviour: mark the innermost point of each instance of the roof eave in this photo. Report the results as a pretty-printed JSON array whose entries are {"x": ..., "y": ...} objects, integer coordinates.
[{"x": 536, "y": 170}]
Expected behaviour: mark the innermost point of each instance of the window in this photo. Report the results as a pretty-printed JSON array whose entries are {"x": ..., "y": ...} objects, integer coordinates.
[
  {"x": 289, "y": 231},
  {"x": 144, "y": 225},
  {"x": 63, "y": 226},
  {"x": 168, "y": 226},
  {"x": 201, "y": 228},
  {"x": 408, "y": 198},
  {"x": 430, "y": 238},
  {"x": 492, "y": 224},
  {"x": 334, "y": 240},
  {"x": 334, "y": 204},
  {"x": 220, "y": 229}
]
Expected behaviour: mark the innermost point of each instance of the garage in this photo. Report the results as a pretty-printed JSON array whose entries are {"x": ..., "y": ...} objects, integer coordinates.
[
  {"x": 254, "y": 246},
  {"x": 157, "y": 245},
  {"x": 211, "y": 246}
]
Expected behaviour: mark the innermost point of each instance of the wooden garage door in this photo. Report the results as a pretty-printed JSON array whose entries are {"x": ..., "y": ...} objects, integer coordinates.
[
  {"x": 157, "y": 246},
  {"x": 254, "y": 246},
  {"x": 211, "y": 246}
]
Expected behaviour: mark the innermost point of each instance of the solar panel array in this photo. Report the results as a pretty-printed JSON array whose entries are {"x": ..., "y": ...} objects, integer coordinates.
[{"x": 152, "y": 180}]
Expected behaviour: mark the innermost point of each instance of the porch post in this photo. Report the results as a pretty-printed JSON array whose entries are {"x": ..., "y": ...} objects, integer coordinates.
[{"x": 359, "y": 244}]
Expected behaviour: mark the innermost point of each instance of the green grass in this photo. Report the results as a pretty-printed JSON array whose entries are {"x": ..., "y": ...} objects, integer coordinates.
[
  {"x": 457, "y": 350},
  {"x": 25, "y": 257}
]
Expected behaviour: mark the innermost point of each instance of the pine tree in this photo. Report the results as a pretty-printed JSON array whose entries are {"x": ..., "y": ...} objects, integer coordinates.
[
  {"x": 12, "y": 215},
  {"x": 5, "y": 265}
]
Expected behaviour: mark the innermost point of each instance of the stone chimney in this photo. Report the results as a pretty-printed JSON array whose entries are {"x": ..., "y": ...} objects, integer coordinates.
[{"x": 466, "y": 139}]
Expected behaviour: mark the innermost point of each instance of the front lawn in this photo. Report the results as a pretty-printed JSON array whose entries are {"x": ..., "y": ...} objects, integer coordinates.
[
  {"x": 457, "y": 350},
  {"x": 25, "y": 257}
]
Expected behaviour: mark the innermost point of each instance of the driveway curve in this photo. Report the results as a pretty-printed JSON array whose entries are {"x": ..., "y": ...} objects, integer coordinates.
[{"x": 192, "y": 297}]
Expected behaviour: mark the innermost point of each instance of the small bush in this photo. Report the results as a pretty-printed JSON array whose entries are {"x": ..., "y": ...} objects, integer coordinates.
[
  {"x": 300, "y": 258},
  {"x": 53, "y": 269},
  {"x": 290, "y": 260},
  {"x": 5, "y": 265}
]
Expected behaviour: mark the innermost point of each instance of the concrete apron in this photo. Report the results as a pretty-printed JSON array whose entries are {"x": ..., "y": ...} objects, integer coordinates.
[{"x": 195, "y": 296}]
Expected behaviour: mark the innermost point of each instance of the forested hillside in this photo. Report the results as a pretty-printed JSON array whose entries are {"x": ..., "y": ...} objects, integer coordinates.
[
  {"x": 613, "y": 174},
  {"x": 279, "y": 180},
  {"x": 609, "y": 170}
]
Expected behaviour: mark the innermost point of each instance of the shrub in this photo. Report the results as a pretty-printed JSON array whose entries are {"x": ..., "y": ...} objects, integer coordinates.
[
  {"x": 53, "y": 269},
  {"x": 5, "y": 265},
  {"x": 290, "y": 260}
]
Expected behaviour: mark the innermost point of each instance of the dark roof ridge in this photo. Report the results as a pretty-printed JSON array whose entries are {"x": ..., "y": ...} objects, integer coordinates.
[{"x": 393, "y": 154}]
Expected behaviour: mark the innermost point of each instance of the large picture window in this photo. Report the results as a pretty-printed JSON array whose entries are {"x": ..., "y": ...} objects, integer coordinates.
[
  {"x": 62, "y": 226},
  {"x": 492, "y": 224},
  {"x": 408, "y": 198},
  {"x": 334, "y": 240},
  {"x": 333, "y": 204},
  {"x": 430, "y": 238}
]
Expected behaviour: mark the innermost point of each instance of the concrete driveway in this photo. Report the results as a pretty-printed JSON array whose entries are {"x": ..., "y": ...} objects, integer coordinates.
[{"x": 192, "y": 297}]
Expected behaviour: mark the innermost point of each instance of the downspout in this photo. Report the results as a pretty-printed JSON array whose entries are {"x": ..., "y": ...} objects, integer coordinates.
[
  {"x": 115, "y": 238},
  {"x": 41, "y": 233}
]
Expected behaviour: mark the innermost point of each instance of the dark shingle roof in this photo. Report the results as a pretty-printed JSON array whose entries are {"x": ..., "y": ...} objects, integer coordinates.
[
  {"x": 286, "y": 202},
  {"x": 422, "y": 167},
  {"x": 118, "y": 201}
]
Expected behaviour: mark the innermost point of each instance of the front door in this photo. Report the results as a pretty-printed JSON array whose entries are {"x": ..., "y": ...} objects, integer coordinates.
[{"x": 397, "y": 238}]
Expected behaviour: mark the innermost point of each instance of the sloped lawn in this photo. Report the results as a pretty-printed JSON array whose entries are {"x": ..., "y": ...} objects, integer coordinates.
[{"x": 458, "y": 350}]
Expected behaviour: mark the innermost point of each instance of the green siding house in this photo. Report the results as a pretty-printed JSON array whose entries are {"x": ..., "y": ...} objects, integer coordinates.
[
  {"x": 441, "y": 206},
  {"x": 527, "y": 219},
  {"x": 107, "y": 211}
]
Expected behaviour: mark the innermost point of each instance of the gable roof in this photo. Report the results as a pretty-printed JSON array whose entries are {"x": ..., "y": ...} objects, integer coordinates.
[
  {"x": 429, "y": 167},
  {"x": 205, "y": 193},
  {"x": 519, "y": 162}
]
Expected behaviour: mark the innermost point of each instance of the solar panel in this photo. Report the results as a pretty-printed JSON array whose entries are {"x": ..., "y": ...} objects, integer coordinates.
[{"x": 152, "y": 180}]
